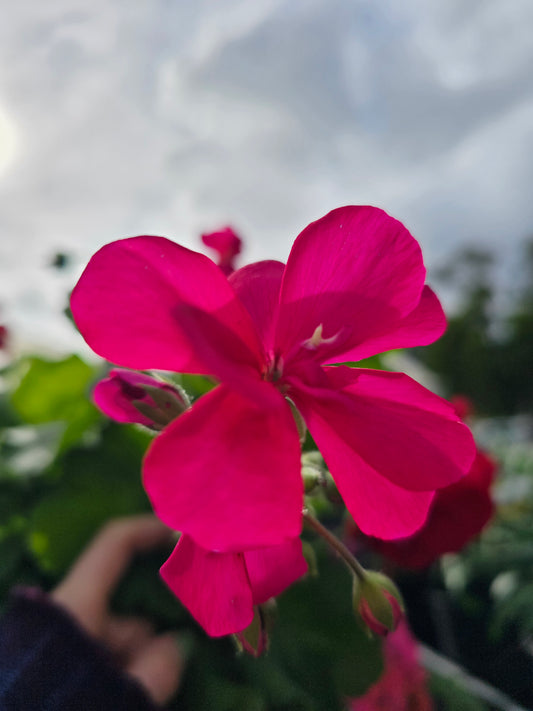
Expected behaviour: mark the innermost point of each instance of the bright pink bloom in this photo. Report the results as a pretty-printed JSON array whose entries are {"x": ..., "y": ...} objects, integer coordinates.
[
  {"x": 227, "y": 472},
  {"x": 123, "y": 392},
  {"x": 403, "y": 684},
  {"x": 221, "y": 589},
  {"x": 228, "y": 245}
]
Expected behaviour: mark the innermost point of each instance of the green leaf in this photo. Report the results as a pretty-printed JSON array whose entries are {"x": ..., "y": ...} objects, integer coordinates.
[
  {"x": 194, "y": 385},
  {"x": 52, "y": 391}
]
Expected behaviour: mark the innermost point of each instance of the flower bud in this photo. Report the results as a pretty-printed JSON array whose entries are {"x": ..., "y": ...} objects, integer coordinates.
[
  {"x": 255, "y": 638},
  {"x": 313, "y": 471},
  {"x": 128, "y": 396},
  {"x": 378, "y": 602}
]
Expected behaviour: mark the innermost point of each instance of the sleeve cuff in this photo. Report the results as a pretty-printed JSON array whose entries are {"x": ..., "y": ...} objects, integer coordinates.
[{"x": 48, "y": 662}]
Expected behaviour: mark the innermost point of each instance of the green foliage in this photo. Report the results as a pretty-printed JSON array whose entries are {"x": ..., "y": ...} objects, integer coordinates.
[
  {"x": 483, "y": 355},
  {"x": 94, "y": 483},
  {"x": 453, "y": 697},
  {"x": 56, "y": 391}
]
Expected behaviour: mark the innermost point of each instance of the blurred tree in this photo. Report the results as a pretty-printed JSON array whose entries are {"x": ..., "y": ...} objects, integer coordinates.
[{"x": 479, "y": 355}]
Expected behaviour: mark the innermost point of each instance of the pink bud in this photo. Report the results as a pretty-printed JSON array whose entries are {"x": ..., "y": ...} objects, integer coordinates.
[
  {"x": 128, "y": 396},
  {"x": 378, "y": 602},
  {"x": 254, "y": 639}
]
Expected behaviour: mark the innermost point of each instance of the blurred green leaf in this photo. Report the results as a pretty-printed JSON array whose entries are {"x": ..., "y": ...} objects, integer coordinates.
[
  {"x": 57, "y": 391},
  {"x": 452, "y": 697},
  {"x": 194, "y": 385}
]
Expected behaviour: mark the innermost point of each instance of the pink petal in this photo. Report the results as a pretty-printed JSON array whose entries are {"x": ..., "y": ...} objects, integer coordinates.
[
  {"x": 424, "y": 325},
  {"x": 379, "y": 507},
  {"x": 271, "y": 570},
  {"x": 401, "y": 429},
  {"x": 356, "y": 272},
  {"x": 127, "y": 306},
  {"x": 257, "y": 286},
  {"x": 227, "y": 471},
  {"x": 214, "y": 587},
  {"x": 385, "y": 438},
  {"x": 114, "y": 395}
]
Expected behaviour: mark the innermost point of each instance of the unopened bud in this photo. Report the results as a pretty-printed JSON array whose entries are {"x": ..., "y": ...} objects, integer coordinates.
[
  {"x": 129, "y": 396},
  {"x": 313, "y": 471},
  {"x": 169, "y": 400},
  {"x": 378, "y": 602},
  {"x": 255, "y": 638},
  {"x": 332, "y": 493}
]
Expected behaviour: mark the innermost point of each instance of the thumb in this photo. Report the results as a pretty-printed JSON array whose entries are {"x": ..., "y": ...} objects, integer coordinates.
[{"x": 158, "y": 667}]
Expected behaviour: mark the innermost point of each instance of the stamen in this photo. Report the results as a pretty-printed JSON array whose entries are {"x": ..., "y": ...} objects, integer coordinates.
[{"x": 317, "y": 339}]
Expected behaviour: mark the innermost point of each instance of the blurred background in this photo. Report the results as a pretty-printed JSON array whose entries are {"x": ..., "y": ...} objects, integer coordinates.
[
  {"x": 178, "y": 118},
  {"x": 173, "y": 118}
]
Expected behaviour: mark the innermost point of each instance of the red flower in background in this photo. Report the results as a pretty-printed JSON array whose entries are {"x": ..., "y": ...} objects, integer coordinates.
[
  {"x": 227, "y": 472},
  {"x": 458, "y": 513},
  {"x": 228, "y": 245},
  {"x": 4, "y": 337},
  {"x": 403, "y": 684}
]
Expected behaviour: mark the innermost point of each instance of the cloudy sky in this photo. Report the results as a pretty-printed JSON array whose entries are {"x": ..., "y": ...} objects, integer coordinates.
[{"x": 172, "y": 117}]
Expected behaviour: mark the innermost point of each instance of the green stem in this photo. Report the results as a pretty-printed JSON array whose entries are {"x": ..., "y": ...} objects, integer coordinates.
[{"x": 339, "y": 547}]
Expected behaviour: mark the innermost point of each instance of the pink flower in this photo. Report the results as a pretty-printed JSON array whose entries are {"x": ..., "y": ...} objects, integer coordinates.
[
  {"x": 128, "y": 396},
  {"x": 228, "y": 245},
  {"x": 221, "y": 589},
  {"x": 227, "y": 472},
  {"x": 403, "y": 684}
]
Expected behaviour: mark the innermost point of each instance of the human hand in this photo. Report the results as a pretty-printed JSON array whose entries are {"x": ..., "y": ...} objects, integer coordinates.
[{"x": 156, "y": 662}]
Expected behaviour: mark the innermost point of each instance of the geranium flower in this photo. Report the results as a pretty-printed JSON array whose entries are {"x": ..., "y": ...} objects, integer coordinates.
[
  {"x": 227, "y": 471},
  {"x": 221, "y": 589},
  {"x": 403, "y": 684},
  {"x": 227, "y": 243}
]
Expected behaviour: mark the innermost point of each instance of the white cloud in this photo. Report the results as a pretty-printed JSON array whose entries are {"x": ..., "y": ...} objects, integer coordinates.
[{"x": 174, "y": 117}]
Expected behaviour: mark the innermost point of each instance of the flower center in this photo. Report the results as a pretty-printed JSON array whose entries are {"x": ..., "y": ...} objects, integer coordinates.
[{"x": 275, "y": 368}]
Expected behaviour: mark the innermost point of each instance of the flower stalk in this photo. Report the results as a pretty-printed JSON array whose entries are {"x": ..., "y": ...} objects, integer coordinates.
[{"x": 334, "y": 543}]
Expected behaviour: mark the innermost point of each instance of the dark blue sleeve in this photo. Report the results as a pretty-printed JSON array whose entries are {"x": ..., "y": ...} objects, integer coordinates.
[{"x": 48, "y": 663}]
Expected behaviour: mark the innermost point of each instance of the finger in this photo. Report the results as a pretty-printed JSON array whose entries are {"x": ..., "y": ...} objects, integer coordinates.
[
  {"x": 158, "y": 667},
  {"x": 126, "y": 636},
  {"x": 86, "y": 589}
]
